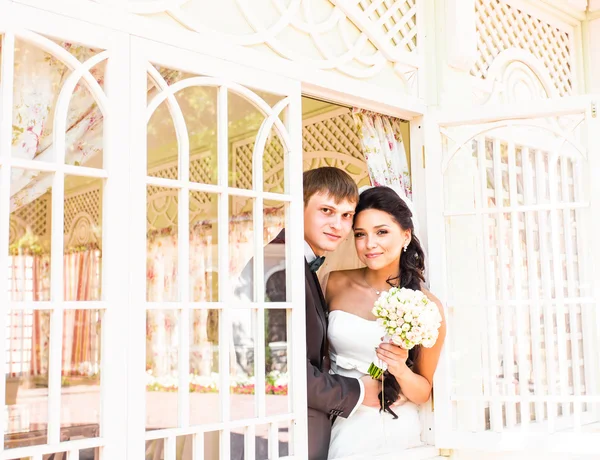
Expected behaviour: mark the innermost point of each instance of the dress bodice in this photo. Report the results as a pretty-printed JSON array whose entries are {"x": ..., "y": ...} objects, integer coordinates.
[{"x": 352, "y": 343}]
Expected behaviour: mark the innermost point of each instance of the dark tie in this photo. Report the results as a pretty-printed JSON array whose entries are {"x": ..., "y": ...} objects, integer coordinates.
[{"x": 316, "y": 264}]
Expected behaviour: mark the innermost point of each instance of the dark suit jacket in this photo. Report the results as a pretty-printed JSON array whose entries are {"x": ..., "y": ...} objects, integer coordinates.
[{"x": 328, "y": 395}]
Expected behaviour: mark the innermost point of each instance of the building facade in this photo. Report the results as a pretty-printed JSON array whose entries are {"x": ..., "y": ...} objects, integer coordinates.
[{"x": 149, "y": 149}]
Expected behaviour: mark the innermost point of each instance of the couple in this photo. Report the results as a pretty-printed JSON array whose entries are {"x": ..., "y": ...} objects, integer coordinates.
[{"x": 341, "y": 334}]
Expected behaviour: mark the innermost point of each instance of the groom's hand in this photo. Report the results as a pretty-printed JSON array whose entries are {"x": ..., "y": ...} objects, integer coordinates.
[{"x": 372, "y": 389}]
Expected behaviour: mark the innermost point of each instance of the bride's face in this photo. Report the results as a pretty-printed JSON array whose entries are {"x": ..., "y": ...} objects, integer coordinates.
[{"x": 379, "y": 239}]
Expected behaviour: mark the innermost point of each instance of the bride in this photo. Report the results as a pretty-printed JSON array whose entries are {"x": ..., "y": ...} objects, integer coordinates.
[{"x": 392, "y": 255}]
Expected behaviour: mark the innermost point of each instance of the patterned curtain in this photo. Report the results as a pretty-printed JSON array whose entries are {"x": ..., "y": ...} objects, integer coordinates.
[
  {"x": 81, "y": 336},
  {"x": 384, "y": 151}
]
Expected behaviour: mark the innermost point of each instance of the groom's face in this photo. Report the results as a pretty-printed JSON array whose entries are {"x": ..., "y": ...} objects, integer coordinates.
[{"x": 327, "y": 222}]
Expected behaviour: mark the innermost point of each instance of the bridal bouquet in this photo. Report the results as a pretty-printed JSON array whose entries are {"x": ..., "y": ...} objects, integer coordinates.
[{"x": 409, "y": 318}]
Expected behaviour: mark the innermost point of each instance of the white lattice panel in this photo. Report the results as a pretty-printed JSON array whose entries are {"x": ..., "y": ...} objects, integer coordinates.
[
  {"x": 87, "y": 202},
  {"x": 501, "y": 26},
  {"x": 34, "y": 216},
  {"x": 515, "y": 212}
]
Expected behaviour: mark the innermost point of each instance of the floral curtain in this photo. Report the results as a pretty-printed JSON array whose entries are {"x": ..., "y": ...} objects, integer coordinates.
[
  {"x": 384, "y": 151},
  {"x": 81, "y": 336}
]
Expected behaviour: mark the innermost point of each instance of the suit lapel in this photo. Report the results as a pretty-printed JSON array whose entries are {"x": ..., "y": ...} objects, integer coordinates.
[{"x": 317, "y": 294}]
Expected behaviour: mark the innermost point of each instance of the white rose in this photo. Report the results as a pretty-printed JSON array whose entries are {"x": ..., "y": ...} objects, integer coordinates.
[{"x": 406, "y": 327}]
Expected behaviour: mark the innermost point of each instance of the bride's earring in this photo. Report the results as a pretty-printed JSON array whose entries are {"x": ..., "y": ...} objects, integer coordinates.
[{"x": 406, "y": 246}]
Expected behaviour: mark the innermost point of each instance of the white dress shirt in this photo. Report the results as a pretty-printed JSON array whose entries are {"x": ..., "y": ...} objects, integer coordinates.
[{"x": 310, "y": 255}]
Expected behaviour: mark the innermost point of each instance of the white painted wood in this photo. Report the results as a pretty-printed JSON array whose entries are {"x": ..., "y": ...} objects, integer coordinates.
[
  {"x": 517, "y": 273},
  {"x": 136, "y": 346},
  {"x": 534, "y": 288},
  {"x": 6, "y": 103},
  {"x": 556, "y": 429},
  {"x": 461, "y": 38}
]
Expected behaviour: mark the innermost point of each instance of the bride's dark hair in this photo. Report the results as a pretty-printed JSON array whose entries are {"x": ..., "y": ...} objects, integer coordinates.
[{"x": 411, "y": 270}]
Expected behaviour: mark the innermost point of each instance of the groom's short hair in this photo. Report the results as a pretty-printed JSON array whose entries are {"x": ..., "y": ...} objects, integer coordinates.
[{"x": 333, "y": 181}]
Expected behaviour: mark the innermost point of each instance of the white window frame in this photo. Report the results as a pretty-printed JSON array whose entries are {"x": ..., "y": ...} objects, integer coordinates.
[
  {"x": 144, "y": 52},
  {"x": 447, "y": 437},
  {"x": 32, "y": 25}
]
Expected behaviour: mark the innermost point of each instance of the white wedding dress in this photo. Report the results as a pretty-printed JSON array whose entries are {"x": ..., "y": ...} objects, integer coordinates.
[{"x": 368, "y": 432}]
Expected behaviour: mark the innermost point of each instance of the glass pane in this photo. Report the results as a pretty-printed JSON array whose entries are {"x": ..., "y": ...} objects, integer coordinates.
[
  {"x": 162, "y": 246},
  {"x": 274, "y": 215},
  {"x": 84, "y": 143},
  {"x": 261, "y": 442},
  {"x": 162, "y": 145},
  {"x": 162, "y": 360},
  {"x": 236, "y": 443},
  {"x": 199, "y": 107},
  {"x": 29, "y": 251},
  {"x": 276, "y": 362},
  {"x": 184, "y": 447},
  {"x": 274, "y": 163},
  {"x": 241, "y": 247},
  {"x": 81, "y": 364},
  {"x": 244, "y": 122},
  {"x": 83, "y": 238},
  {"x": 285, "y": 438},
  {"x": 38, "y": 79},
  {"x": 204, "y": 252},
  {"x": 27, "y": 358},
  {"x": 204, "y": 367},
  {"x": 155, "y": 449},
  {"x": 212, "y": 447},
  {"x": 242, "y": 370}
]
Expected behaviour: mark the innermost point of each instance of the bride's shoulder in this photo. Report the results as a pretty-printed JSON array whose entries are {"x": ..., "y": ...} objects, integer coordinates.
[{"x": 340, "y": 280}]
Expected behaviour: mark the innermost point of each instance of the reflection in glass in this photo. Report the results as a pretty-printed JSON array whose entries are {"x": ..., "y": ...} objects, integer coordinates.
[
  {"x": 199, "y": 107},
  {"x": 261, "y": 442},
  {"x": 244, "y": 123},
  {"x": 274, "y": 214},
  {"x": 162, "y": 360},
  {"x": 236, "y": 442},
  {"x": 183, "y": 448},
  {"x": 241, "y": 248},
  {"x": 85, "y": 124},
  {"x": 81, "y": 363},
  {"x": 162, "y": 245},
  {"x": 276, "y": 362},
  {"x": 38, "y": 80},
  {"x": 27, "y": 359},
  {"x": 212, "y": 447},
  {"x": 273, "y": 163},
  {"x": 204, "y": 255},
  {"x": 204, "y": 367},
  {"x": 83, "y": 238},
  {"x": 162, "y": 146},
  {"x": 242, "y": 372},
  {"x": 29, "y": 250}
]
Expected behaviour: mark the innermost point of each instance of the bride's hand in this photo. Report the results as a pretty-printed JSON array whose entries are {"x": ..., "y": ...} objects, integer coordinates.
[{"x": 395, "y": 357}]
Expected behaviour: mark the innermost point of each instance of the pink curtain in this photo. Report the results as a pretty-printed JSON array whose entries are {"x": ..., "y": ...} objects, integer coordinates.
[{"x": 81, "y": 341}]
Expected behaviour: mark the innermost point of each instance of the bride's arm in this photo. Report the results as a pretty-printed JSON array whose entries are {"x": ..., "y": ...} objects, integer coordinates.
[{"x": 416, "y": 383}]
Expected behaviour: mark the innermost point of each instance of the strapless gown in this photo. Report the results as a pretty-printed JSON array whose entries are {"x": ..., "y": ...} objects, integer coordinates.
[{"x": 368, "y": 432}]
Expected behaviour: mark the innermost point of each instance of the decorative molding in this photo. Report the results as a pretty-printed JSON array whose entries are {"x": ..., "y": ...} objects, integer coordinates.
[
  {"x": 373, "y": 34},
  {"x": 516, "y": 76},
  {"x": 502, "y": 27}
]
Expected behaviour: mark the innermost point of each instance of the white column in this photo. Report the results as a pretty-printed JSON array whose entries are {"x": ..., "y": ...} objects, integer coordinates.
[
  {"x": 457, "y": 51},
  {"x": 594, "y": 53}
]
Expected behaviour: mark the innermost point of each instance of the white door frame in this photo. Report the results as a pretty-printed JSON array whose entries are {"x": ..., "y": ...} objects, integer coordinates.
[{"x": 446, "y": 436}]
